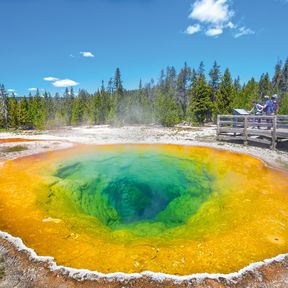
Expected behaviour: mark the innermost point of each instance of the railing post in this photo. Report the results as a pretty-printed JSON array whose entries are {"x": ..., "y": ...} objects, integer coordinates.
[
  {"x": 245, "y": 130},
  {"x": 274, "y": 133}
]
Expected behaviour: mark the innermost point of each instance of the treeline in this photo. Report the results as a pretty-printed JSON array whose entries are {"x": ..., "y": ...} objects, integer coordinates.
[{"x": 191, "y": 96}]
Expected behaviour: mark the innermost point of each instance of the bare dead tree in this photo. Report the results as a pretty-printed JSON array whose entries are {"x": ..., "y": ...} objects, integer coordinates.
[{"x": 3, "y": 101}]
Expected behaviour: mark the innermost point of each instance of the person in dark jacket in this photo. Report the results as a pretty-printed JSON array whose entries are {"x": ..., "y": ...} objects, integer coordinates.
[
  {"x": 268, "y": 110},
  {"x": 268, "y": 106},
  {"x": 275, "y": 104}
]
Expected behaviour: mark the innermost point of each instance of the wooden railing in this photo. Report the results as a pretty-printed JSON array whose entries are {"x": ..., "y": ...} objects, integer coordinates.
[{"x": 262, "y": 129}]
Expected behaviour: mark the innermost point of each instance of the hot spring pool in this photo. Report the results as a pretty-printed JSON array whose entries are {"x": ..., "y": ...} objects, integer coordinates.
[{"x": 132, "y": 208}]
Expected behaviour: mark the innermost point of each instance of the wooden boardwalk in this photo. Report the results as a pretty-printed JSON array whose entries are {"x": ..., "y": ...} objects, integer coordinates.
[{"x": 250, "y": 128}]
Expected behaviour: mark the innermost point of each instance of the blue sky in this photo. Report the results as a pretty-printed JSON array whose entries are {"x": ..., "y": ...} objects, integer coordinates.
[{"x": 81, "y": 42}]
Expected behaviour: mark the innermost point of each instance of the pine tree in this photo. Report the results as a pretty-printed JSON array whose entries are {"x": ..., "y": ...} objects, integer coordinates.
[
  {"x": 110, "y": 88},
  {"x": 145, "y": 104},
  {"x": 60, "y": 111},
  {"x": 37, "y": 111},
  {"x": 215, "y": 77},
  {"x": 105, "y": 104},
  {"x": 120, "y": 104},
  {"x": 180, "y": 113},
  {"x": 193, "y": 76},
  {"x": 237, "y": 85},
  {"x": 170, "y": 81},
  {"x": 183, "y": 83},
  {"x": 37, "y": 93},
  {"x": 265, "y": 86},
  {"x": 201, "y": 94},
  {"x": 76, "y": 117},
  {"x": 285, "y": 75},
  {"x": 283, "y": 107},
  {"x": 249, "y": 93},
  {"x": 118, "y": 82},
  {"x": 13, "y": 112},
  {"x": 166, "y": 109},
  {"x": 278, "y": 79},
  {"x": 96, "y": 108},
  {"x": 225, "y": 95},
  {"x": 68, "y": 97},
  {"x": 84, "y": 106},
  {"x": 50, "y": 114},
  {"x": 162, "y": 82},
  {"x": 23, "y": 114}
]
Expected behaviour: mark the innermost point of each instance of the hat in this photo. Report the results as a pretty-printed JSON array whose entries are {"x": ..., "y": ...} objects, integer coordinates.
[{"x": 275, "y": 96}]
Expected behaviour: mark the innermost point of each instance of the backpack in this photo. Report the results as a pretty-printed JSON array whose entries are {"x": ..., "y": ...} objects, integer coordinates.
[{"x": 269, "y": 107}]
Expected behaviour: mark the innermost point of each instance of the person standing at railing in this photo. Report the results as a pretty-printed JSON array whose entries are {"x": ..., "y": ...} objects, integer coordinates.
[
  {"x": 275, "y": 104},
  {"x": 268, "y": 107},
  {"x": 256, "y": 110},
  {"x": 268, "y": 110}
]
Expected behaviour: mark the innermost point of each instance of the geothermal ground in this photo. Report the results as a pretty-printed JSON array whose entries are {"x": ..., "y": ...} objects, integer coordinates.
[{"x": 19, "y": 269}]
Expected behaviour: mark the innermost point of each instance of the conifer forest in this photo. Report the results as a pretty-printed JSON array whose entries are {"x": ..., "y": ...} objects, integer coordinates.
[{"x": 190, "y": 96}]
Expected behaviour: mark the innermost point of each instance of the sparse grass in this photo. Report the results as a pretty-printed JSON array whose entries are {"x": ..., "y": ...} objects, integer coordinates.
[
  {"x": 17, "y": 148},
  {"x": 22, "y": 131},
  {"x": 2, "y": 130}
]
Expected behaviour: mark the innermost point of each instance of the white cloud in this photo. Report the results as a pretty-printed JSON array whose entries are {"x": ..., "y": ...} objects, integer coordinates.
[
  {"x": 213, "y": 32},
  {"x": 87, "y": 54},
  {"x": 32, "y": 89},
  {"x": 212, "y": 11},
  {"x": 192, "y": 29},
  {"x": 11, "y": 90},
  {"x": 242, "y": 31},
  {"x": 231, "y": 25},
  {"x": 50, "y": 79},
  {"x": 65, "y": 83},
  {"x": 214, "y": 17}
]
